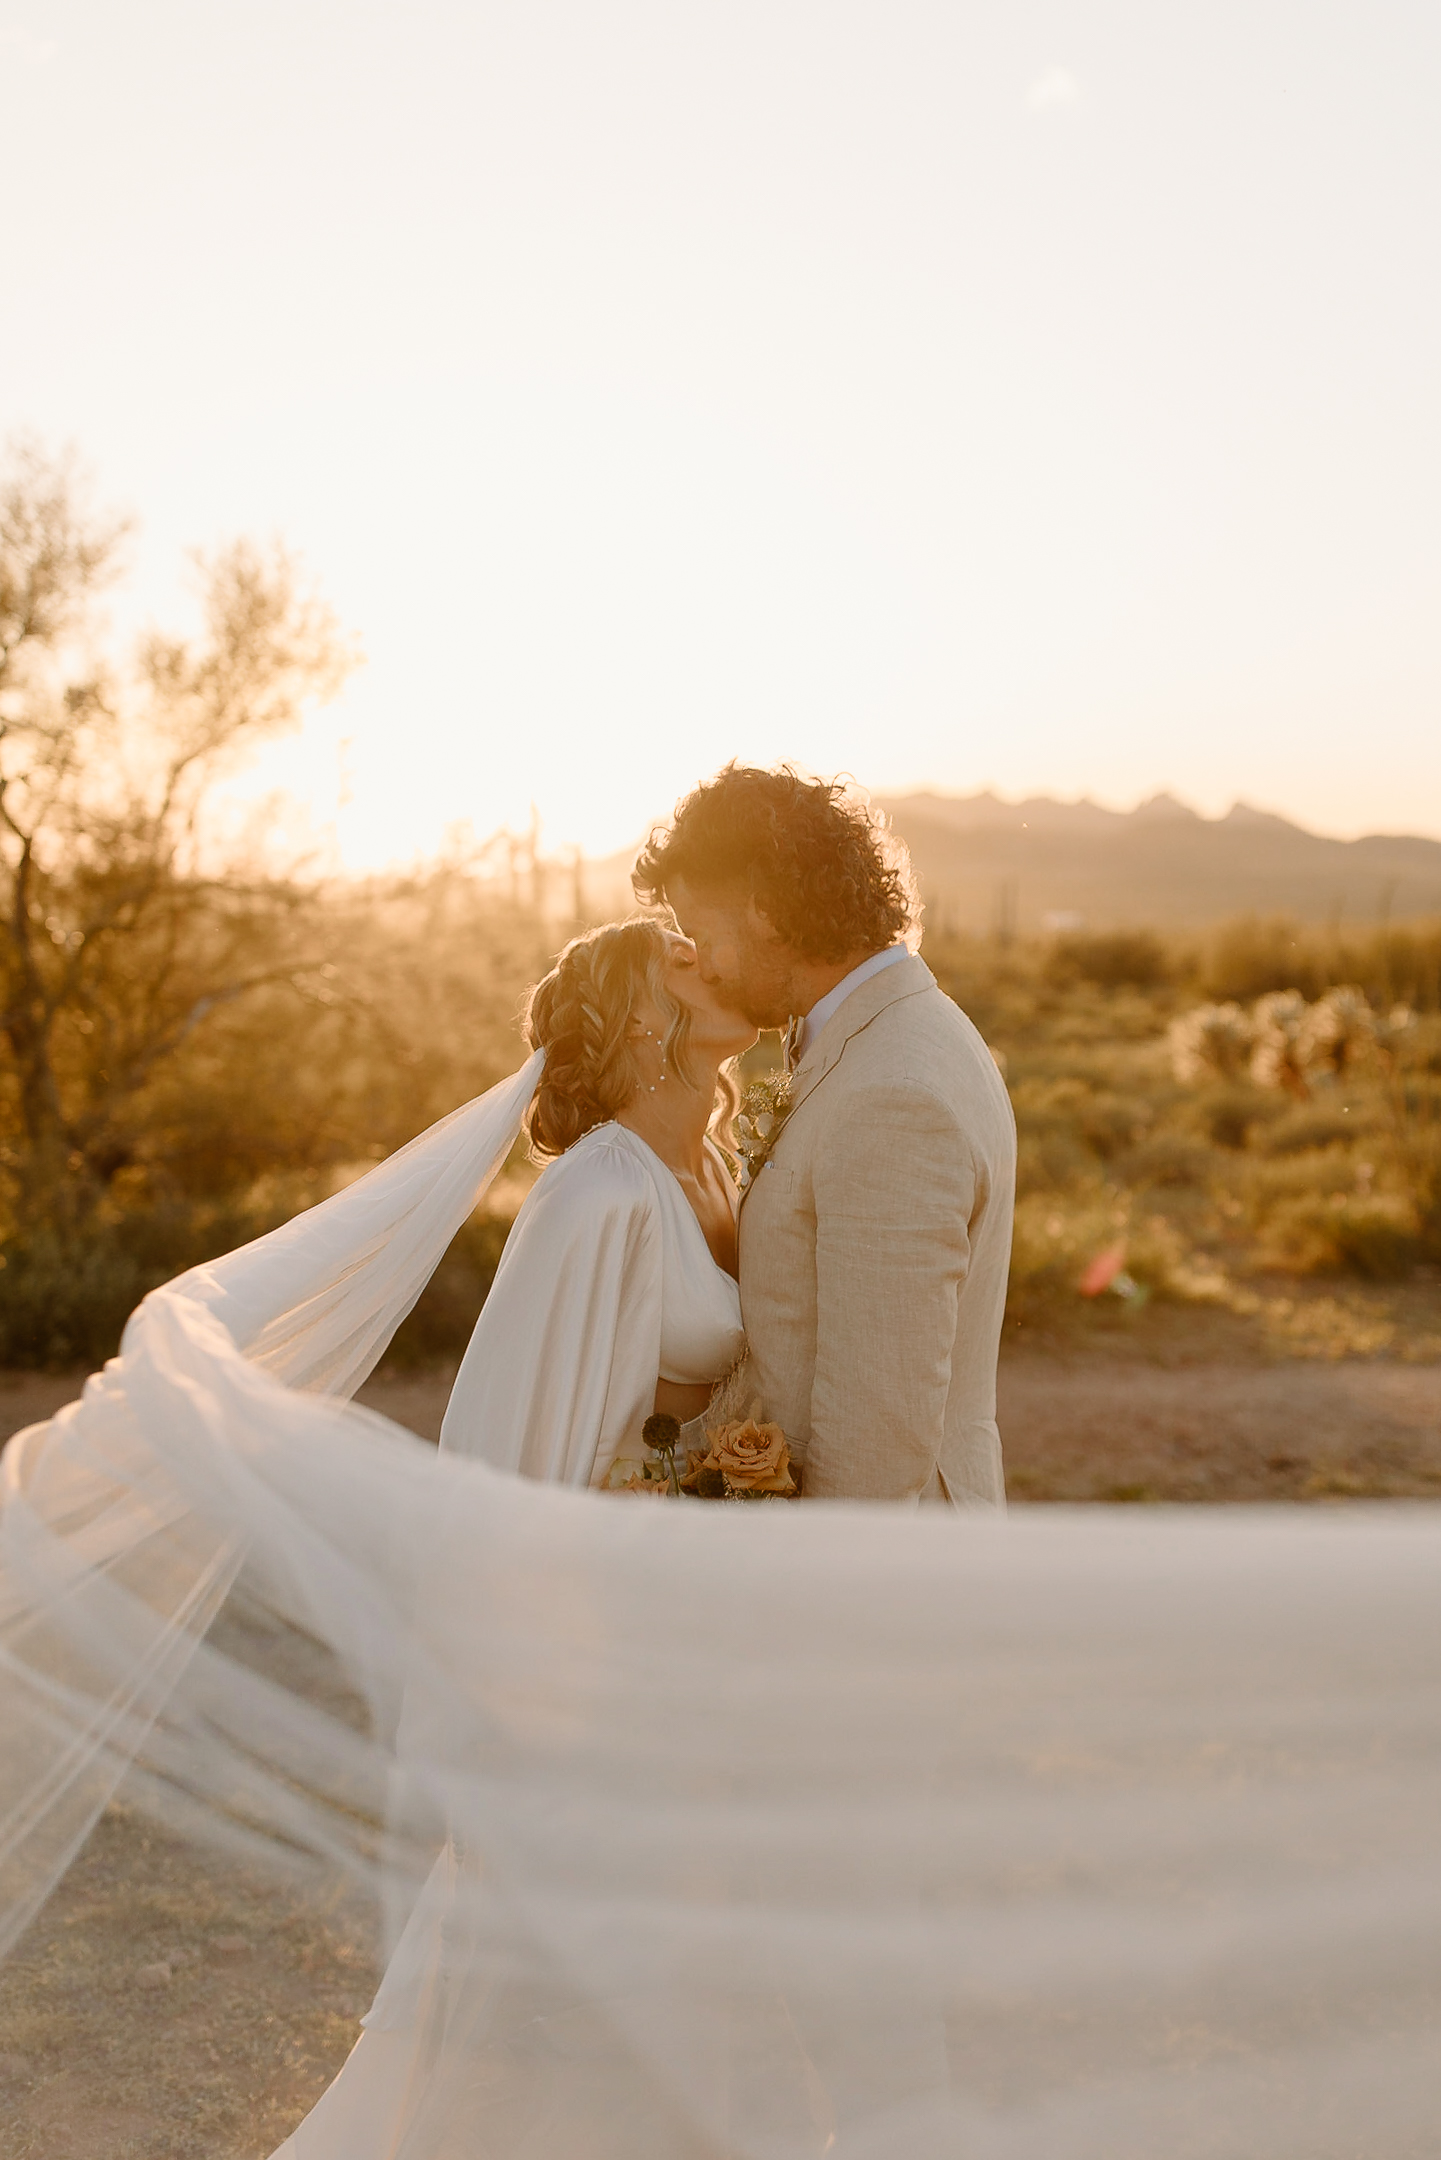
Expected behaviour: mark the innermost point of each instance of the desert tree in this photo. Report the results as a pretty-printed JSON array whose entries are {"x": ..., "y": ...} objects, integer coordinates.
[{"x": 120, "y": 935}]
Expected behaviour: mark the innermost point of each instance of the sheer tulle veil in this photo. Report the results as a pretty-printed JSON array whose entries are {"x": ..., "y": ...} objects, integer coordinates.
[
  {"x": 781, "y": 1831},
  {"x": 221, "y": 1439}
]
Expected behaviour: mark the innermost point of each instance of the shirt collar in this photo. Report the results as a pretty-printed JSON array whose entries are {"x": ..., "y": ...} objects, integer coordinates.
[{"x": 821, "y": 1012}]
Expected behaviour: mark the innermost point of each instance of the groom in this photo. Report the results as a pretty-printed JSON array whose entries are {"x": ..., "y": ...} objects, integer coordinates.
[{"x": 875, "y": 1240}]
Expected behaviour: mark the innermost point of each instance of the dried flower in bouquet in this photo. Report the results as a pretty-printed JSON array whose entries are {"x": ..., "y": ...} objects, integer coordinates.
[
  {"x": 745, "y": 1461},
  {"x": 661, "y": 1435},
  {"x": 657, "y": 1475}
]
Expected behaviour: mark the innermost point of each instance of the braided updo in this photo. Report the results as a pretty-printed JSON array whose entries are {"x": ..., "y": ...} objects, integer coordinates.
[{"x": 580, "y": 1016}]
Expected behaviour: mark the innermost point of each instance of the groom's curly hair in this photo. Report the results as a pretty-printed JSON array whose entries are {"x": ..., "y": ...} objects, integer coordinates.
[{"x": 820, "y": 864}]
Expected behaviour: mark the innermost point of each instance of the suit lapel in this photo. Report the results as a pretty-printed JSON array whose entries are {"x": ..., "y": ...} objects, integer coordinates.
[{"x": 906, "y": 979}]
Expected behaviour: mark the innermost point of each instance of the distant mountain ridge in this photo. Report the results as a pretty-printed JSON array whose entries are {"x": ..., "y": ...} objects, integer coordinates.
[{"x": 986, "y": 863}]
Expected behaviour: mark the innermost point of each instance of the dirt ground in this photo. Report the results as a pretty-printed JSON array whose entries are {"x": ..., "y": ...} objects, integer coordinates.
[
  {"x": 166, "y": 2007},
  {"x": 1198, "y": 1407},
  {"x": 1196, "y": 1404},
  {"x": 1078, "y": 1423}
]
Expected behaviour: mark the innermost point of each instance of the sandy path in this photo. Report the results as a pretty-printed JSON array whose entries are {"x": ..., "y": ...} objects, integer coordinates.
[
  {"x": 1086, "y": 1429},
  {"x": 1093, "y": 1426},
  {"x": 166, "y": 2006}
]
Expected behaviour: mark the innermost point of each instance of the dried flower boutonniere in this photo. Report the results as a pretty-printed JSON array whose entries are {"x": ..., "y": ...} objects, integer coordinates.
[{"x": 765, "y": 1106}]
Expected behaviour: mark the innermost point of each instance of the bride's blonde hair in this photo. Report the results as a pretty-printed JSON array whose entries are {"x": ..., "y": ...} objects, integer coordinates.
[{"x": 580, "y": 1016}]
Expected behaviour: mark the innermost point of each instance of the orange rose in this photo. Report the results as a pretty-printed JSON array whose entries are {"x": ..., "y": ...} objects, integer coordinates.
[{"x": 751, "y": 1457}]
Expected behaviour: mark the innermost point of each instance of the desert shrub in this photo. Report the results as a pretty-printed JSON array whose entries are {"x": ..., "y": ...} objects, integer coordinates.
[
  {"x": 1403, "y": 964},
  {"x": 440, "y": 1323},
  {"x": 1370, "y": 1234},
  {"x": 1377, "y": 1235},
  {"x": 1261, "y": 1181},
  {"x": 1167, "y": 1158},
  {"x": 1301, "y": 1128},
  {"x": 1253, "y": 956},
  {"x": 999, "y": 987},
  {"x": 1229, "y": 1115},
  {"x": 1045, "y": 1102},
  {"x": 1422, "y": 1158},
  {"x": 1055, "y": 1239},
  {"x": 1111, "y": 960},
  {"x": 1064, "y": 1129},
  {"x": 268, "y": 1103},
  {"x": 1247, "y": 958},
  {"x": 65, "y": 1296},
  {"x": 1111, "y": 1122},
  {"x": 66, "y": 1305},
  {"x": 65, "y": 1302},
  {"x": 1208, "y": 1039},
  {"x": 1052, "y": 1161}
]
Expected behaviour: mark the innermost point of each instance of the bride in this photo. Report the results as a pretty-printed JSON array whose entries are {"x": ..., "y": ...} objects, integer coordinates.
[
  {"x": 615, "y": 1298},
  {"x": 616, "y": 1294}
]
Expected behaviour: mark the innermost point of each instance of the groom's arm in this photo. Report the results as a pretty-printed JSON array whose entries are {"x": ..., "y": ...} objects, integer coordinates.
[{"x": 894, "y": 1190}]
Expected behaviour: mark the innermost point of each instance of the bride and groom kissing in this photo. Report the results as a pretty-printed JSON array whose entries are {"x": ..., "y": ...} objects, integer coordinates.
[{"x": 852, "y": 1292}]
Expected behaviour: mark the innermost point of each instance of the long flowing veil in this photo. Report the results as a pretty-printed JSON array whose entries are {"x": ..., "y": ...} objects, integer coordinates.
[
  {"x": 221, "y": 1436},
  {"x": 772, "y": 1832}
]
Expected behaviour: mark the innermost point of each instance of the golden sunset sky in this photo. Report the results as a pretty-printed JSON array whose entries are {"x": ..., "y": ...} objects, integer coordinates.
[{"x": 1042, "y": 396}]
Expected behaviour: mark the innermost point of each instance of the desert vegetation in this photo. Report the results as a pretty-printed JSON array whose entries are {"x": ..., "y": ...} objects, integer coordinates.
[
  {"x": 1201, "y": 1119},
  {"x": 1204, "y": 1123},
  {"x": 196, "y": 1042}
]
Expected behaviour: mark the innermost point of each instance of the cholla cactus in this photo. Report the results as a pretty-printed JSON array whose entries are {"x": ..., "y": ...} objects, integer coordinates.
[
  {"x": 1391, "y": 1031},
  {"x": 1210, "y": 1039},
  {"x": 1283, "y": 1041},
  {"x": 1281, "y": 1054},
  {"x": 1338, "y": 1030}
]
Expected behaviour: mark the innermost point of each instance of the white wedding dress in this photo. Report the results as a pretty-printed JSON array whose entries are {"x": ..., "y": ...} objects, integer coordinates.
[
  {"x": 764, "y": 1833},
  {"x": 606, "y": 1282}
]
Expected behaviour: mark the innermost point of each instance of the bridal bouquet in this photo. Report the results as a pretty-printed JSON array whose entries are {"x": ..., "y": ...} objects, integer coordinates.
[{"x": 743, "y": 1461}]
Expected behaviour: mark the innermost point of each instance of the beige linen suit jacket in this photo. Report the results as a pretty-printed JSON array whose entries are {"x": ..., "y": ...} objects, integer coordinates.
[{"x": 874, "y": 1249}]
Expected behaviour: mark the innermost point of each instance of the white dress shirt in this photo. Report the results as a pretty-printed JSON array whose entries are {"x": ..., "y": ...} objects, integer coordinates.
[{"x": 820, "y": 1013}]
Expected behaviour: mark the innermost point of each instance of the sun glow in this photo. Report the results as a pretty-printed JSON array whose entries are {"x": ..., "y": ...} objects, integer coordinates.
[{"x": 893, "y": 394}]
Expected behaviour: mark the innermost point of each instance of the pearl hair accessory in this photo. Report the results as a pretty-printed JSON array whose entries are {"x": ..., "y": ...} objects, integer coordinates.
[{"x": 650, "y": 1037}]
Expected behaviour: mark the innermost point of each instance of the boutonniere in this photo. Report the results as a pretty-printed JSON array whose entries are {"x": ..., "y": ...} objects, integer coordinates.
[{"x": 765, "y": 1106}]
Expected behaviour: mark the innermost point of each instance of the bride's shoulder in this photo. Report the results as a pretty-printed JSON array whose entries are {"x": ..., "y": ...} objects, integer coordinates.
[{"x": 602, "y": 1169}]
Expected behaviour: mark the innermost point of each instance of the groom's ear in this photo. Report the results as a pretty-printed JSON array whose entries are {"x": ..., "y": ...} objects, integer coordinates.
[{"x": 762, "y": 928}]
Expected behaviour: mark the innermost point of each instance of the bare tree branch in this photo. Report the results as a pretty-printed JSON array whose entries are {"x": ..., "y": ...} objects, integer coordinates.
[{"x": 105, "y": 918}]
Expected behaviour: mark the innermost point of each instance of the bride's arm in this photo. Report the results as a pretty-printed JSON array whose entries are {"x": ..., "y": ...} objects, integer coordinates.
[{"x": 561, "y": 1368}]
